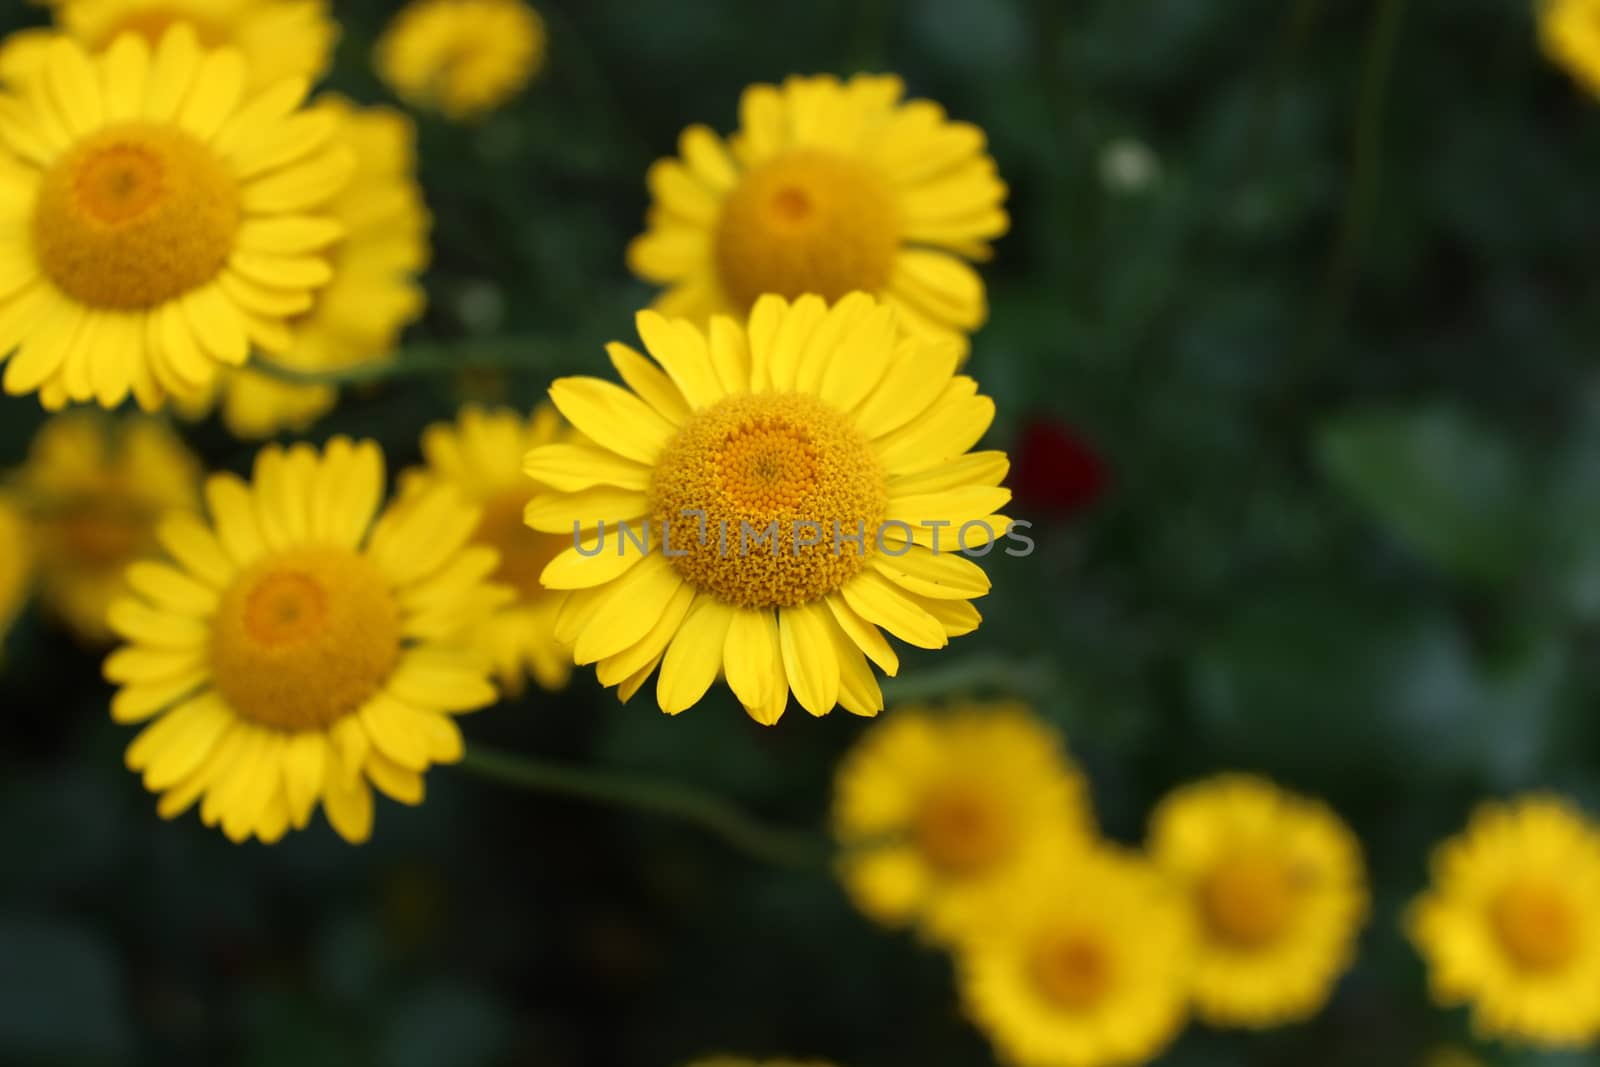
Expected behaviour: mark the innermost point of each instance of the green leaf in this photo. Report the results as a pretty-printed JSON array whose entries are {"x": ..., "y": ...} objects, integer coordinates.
[{"x": 1447, "y": 489}]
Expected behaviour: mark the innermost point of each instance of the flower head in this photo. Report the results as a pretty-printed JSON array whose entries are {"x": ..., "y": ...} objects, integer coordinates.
[
  {"x": 374, "y": 293},
  {"x": 827, "y": 188},
  {"x": 1511, "y": 923},
  {"x": 1569, "y": 30},
  {"x": 164, "y": 219},
  {"x": 938, "y": 815},
  {"x": 463, "y": 58},
  {"x": 1089, "y": 966},
  {"x": 278, "y": 38},
  {"x": 296, "y": 651},
  {"x": 805, "y": 480},
  {"x": 16, "y": 566},
  {"x": 1276, "y": 884},
  {"x": 96, "y": 486},
  {"x": 481, "y": 455}
]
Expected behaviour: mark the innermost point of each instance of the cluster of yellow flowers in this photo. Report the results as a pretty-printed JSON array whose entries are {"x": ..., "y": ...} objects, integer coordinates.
[
  {"x": 176, "y": 205},
  {"x": 975, "y": 826},
  {"x": 1570, "y": 33},
  {"x": 1243, "y": 909}
]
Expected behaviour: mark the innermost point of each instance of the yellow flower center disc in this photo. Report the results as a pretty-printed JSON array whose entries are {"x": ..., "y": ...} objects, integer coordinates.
[
  {"x": 153, "y": 23},
  {"x": 806, "y": 222},
  {"x": 1536, "y": 925},
  {"x": 101, "y": 532},
  {"x": 523, "y": 552},
  {"x": 1072, "y": 970},
  {"x": 133, "y": 216},
  {"x": 753, "y": 461},
  {"x": 961, "y": 830},
  {"x": 1248, "y": 900},
  {"x": 305, "y": 638}
]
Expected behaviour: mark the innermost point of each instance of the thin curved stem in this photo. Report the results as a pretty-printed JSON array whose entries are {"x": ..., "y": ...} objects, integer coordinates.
[
  {"x": 1031, "y": 678},
  {"x": 786, "y": 848},
  {"x": 417, "y": 361}
]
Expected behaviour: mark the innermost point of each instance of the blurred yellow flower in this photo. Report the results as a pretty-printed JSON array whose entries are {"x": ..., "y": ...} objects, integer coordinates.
[
  {"x": 481, "y": 455},
  {"x": 296, "y": 651},
  {"x": 16, "y": 566},
  {"x": 162, "y": 220},
  {"x": 827, "y": 188},
  {"x": 1277, "y": 886},
  {"x": 462, "y": 58},
  {"x": 279, "y": 38},
  {"x": 373, "y": 295},
  {"x": 1449, "y": 1056},
  {"x": 1569, "y": 30},
  {"x": 938, "y": 815},
  {"x": 94, "y": 487},
  {"x": 1511, "y": 922},
  {"x": 1088, "y": 968},
  {"x": 813, "y": 427}
]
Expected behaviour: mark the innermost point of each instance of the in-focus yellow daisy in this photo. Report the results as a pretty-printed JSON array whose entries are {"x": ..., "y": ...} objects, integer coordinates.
[
  {"x": 462, "y": 58},
  {"x": 95, "y": 487},
  {"x": 1277, "y": 885},
  {"x": 358, "y": 316},
  {"x": 481, "y": 455},
  {"x": 16, "y": 566},
  {"x": 827, "y": 188},
  {"x": 1511, "y": 923},
  {"x": 1569, "y": 30},
  {"x": 295, "y": 650},
  {"x": 789, "y": 471},
  {"x": 1089, "y": 967},
  {"x": 159, "y": 219},
  {"x": 279, "y": 38},
  {"x": 937, "y": 815}
]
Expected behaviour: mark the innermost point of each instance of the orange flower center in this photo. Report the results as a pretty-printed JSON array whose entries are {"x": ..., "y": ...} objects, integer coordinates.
[
  {"x": 769, "y": 472},
  {"x": 1248, "y": 900},
  {"x": 1073, "y": 969},
  {"x": 807, "y": 222},
  {"x": 524, "y": 552},
  {"x": 152, "y": 23},
  {"x": 305, "y": 638},
  {"x": 133, "y": 216},
  {"x": 1536, "y": 924},
  {"x": 99, "y": 532},
  {"x": 962, "y": 830}
]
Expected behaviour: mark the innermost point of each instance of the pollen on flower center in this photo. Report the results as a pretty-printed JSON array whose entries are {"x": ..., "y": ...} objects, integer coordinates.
[
  {"x": 1248, "y": 900},
  {"x": 153, "y": 23},
  {"x": 961, "y": 830},
  {"x": 1536, "y": 925},
  {"x": 524, "y": 552},
  {"x": 133, "y": 216},
  {"x": 806, "y": 222},
  {"x": 1073, "y": 970},
  {"x": 304, "y": 638},
  {"x": 790, "y": 492}
]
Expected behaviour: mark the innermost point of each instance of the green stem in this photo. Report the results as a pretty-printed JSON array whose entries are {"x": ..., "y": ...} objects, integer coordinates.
[
  {"x": 787, "y": 848},
  {"x": 494, "y": 353},
  {"x": 1032, "y": 678}
]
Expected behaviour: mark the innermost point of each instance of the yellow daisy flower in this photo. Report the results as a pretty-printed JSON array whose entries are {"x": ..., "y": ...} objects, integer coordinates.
[
  {"x": 279, "y": 38},
  {"x": 160, "y": 219},
  {"x": 96, "y": 486},
  {"x": 462, "y": 58},
  {"x": 1089, "y": 969},
  {"x": 1277, "y": 885},
  {"x": 481, "y": 455},
  {"x": 1511, "y": 923},
  {"x": 296, "y": 650},
  {"x": 358, "y": 316},
  {"x": 1569, "y": 30},
  {"x": 827, "y": 189},
  {"x": 938, "y": 815},
  {"x": 788, "y": 472},
  {"x": 16, "y": 565}
]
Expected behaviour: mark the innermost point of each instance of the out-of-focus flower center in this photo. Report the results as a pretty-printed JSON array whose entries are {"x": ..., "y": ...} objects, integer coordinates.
[
  {"x": 1536, "y": 924},
  {"x": 1072, "y": 969},
  {"x": 1248, "y": 900},
  {"x": 806, "y": 222}
]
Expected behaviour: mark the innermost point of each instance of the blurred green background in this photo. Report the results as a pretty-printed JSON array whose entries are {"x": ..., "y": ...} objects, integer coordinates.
[{"x": 1314, "y": 278}]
